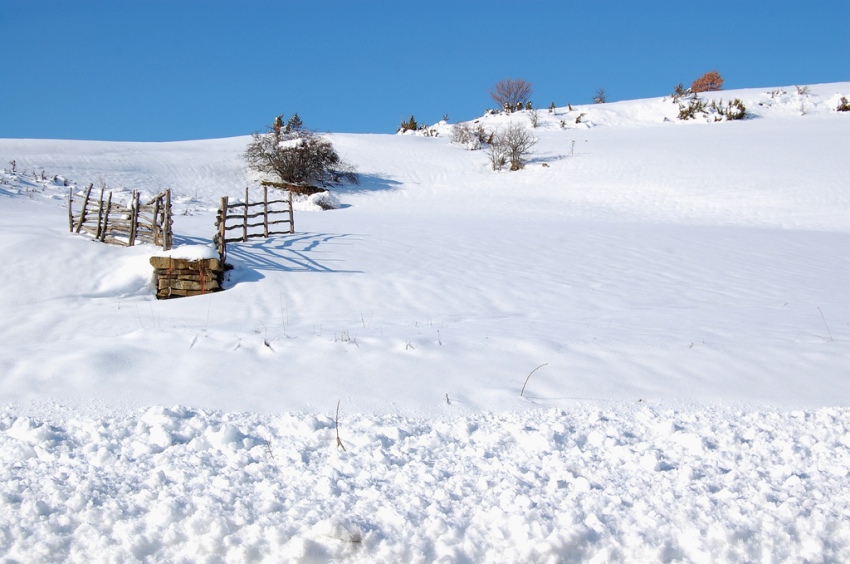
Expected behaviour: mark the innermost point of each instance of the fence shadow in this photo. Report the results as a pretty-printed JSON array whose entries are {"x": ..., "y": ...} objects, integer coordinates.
[
  {"x": 300, "y": 252},
  {"x": 368, "y": 183}
]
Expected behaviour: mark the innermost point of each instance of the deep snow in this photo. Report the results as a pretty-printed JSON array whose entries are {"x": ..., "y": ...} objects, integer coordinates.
[{"x": 682, "y": 287}]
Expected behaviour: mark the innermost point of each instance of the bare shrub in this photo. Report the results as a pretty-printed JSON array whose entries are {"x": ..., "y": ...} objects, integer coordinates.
[
  {"x": 709, "y": 82},
  {"x": 497, "y": 155},
  {"x": 468, "y": 135},
  {"x": 600, "y": 97},
  {"x": 509, "y": 93},
  {"x": 511, "y": 146}
]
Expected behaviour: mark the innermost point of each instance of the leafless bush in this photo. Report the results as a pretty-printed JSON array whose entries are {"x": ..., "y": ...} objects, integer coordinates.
[
  {"x": 600, "y": 97},
  {"x": 497, "y": 154},
  {"x": 469, "y": 136},
  {"x": 511, "y": 146},
  {"x": 803, "y": 92},
  {"x": 508, "y": 93}
]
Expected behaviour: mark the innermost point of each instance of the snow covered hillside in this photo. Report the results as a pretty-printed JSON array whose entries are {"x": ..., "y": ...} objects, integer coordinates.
[{"x": 673, "y": 295}]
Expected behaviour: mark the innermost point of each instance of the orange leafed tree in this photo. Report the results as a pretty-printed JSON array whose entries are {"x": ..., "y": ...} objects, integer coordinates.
[{"x": 709, "y": 82}]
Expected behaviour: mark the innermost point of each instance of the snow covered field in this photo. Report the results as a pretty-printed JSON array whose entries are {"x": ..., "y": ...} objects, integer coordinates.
[{"x": 682, "y": 287}]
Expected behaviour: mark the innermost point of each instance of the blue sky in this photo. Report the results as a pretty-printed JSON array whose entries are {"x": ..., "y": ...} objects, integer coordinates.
[{"x": 162, "y": 71}]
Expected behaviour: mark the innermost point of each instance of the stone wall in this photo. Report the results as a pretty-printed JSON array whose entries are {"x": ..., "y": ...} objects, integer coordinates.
[{"x": 177, "y": 278}]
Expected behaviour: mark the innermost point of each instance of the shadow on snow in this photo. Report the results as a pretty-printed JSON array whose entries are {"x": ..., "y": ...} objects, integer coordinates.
[
  {"x": 301, "y": 252},
  {"x": 368, "y": 183}
]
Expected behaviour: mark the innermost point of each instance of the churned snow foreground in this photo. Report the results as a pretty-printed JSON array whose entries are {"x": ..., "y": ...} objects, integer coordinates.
[
  {"x": 635, "y": 349},
  {"x": 592, "y": 483}
]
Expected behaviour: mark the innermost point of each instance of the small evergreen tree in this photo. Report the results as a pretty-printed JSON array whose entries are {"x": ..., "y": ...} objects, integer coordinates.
[
  {"x": 679, "y": 92},
  {"x": 409, "y": 125},
  {"x": 294, "y": 124}
]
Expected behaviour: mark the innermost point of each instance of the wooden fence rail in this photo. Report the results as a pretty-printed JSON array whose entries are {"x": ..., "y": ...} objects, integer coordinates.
[
  {"x": 119, "y": 224},
  {"x": 253, "y": 219}
]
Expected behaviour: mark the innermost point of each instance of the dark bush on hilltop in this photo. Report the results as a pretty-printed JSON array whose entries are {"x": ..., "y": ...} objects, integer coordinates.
[
  {"x": 734, "y": 110},
  {"x": 409, "y": 125},
  {"x": 293, "y": 155},
  {"x": 600, "y": 97}
]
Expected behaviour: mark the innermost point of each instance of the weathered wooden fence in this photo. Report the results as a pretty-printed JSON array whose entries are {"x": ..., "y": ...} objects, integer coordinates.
[
  {"x": 119, "y": 224},
  {"x": 252, "y": 219}
]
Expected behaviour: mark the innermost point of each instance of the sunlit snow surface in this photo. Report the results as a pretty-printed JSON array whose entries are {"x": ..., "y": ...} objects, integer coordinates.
[{"x": 682, "y": 287}]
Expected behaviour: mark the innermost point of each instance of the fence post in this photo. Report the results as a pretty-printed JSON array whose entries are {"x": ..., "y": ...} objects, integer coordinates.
[
  {"x": 265, "y": 211},
  {"x": 291, "y": 216},
  {"x": 155, "y": 227},
  {"x": 105, "y": 215},
  {"x": 222, "y": 229},
  {"x": 245, "y": 219},
  {"x": 85, "y": 205},
  {"x": 70, "y": 210},
  {"x": 134, "y": 217},
  {"x": 99, "y": 216},
  {"x": 166, "y": 220}
]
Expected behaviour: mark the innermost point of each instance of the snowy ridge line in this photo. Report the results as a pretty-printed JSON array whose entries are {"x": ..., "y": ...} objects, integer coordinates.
[
  {"x": 612, "y": 483},
  {"x": 771, "y": 103}
]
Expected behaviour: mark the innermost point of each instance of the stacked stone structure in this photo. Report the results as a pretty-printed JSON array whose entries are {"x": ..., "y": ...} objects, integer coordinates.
[{"x": 177, "y": 278}]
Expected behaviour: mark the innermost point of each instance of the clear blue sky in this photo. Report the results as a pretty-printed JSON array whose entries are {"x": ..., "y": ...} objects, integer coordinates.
[{"x": 182, "y": 69}]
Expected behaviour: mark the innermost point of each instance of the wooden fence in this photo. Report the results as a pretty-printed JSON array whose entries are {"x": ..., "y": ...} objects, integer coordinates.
[
  {"x": 119, "y": 224},
  {"x": 253, "y": 219}
]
